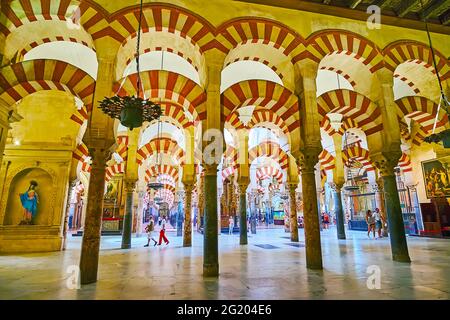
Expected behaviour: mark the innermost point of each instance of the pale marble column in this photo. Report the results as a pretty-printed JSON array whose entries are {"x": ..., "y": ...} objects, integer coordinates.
[{"x": 187, "y": 237}]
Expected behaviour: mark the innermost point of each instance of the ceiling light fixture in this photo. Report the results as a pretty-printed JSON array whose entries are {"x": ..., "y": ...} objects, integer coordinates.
[{"x": 132, "y": 111}]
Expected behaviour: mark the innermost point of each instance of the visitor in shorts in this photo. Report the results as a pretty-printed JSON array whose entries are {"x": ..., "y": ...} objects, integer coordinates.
[
  {"x": 378, "y": 222},
  {"x": 149, "y": 229},
  {"x": 370, "y": 219},
  {"x": 230, "y": 225}
]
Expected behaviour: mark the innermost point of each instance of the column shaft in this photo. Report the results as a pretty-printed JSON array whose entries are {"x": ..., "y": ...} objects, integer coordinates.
[
  {"x": 339, "y": 213},
  {"x": 312, "y": 228},
  {"x": 187, "y": 239},
  {"x": 128, "y": 219},
  {"x": 210, "y": 239},
  {"x": 399, "y": 246},
  {"x": 293, "y": 213},
  {"x": 243, "y": 215},
  {"x": 92, "y": 224}
]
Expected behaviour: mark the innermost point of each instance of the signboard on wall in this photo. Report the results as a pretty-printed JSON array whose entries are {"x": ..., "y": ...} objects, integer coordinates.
[{"x": 436, "y": 176}]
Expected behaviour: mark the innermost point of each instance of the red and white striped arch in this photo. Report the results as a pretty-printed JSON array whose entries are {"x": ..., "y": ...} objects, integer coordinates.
[
  {"x": 122, "y": 148},
  {"x": 19, "y": 14},
  {"x": 80, "y": 116},
  {"x": 408, "y": 82},
  {"x": 260, "y": 116},
  {"x": 265, "y": 94},
  {"x": 359, "y": 154},
  {"x": 347, "y": 123},
  {"x": 423, "y": 111},
  {"x": 114, "y": 169},
  {"x": 258, "y": 30},
  {"x": 400, "y": 52},
  {"x": 326, "y": 42},
  {"x": 22, "y": 79},
  {"x": 161, "y": 145},
  {"x": 81, "y": 152},
  {"x": 271, "y": 150},
  {"x": 227, "y": 172},
  {"x": 166, "y": 195},
  {"x": 161, "y": 84},
  {"x": 164, "y": 169},
  {"x": 405, "y": 163},
  {"x": 268, "y": 173},
  {"x": 161, "y": 18},
  {"x": 352, "y": 105},
  {"x": 326, "y": 160}
]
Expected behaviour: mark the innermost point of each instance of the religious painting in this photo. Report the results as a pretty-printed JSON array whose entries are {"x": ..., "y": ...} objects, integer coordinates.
[
  {"x": 112, "y": 189},
  {"x": 436, "y": 177}
]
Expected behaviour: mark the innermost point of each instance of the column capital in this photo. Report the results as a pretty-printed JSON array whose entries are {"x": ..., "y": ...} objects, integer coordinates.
[
  {"x": 99, "y": 155},
  {"x": 336, "y": 186},
  {"x": 188, "y": 187},
  {"x": 243, "y": 188},
  {"x": 210, "y": 169},
  {"x": 308, "y": 158},
  {"x": 130, "y": 185},
  {"x": 385, "y": 162}
]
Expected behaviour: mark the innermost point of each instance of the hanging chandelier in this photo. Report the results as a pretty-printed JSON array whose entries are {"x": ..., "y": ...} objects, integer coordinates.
[{"x": 132, "y": 111}]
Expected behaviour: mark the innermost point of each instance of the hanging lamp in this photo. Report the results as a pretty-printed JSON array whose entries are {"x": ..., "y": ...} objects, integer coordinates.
[{"x": 132, "y": 111}]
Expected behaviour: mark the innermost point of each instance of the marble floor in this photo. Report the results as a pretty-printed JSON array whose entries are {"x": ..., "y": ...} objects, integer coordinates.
[{"x": 270, "y": 267}]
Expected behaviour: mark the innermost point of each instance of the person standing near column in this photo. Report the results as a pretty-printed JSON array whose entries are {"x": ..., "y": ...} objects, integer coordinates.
[
  {"x": 230, "y": 225},
  {"x": 370, "y": 219},
  {"x": 149, "y": 229},
  {"x": 162, "y": 232}
]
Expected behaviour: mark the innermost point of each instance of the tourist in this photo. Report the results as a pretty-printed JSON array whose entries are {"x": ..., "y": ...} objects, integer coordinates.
[
  {"x": 230, "y": 225},
  {"x": 162, "y": 232},
  {"x": 370, "y": 219},
  {"x": 379, "y": 222},
  {"x": 326, "y": 220},
  {"x": 149, "y": 229}
]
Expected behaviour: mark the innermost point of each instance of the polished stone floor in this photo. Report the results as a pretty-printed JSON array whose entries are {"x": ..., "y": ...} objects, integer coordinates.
[{"x": 270, "y": 267}]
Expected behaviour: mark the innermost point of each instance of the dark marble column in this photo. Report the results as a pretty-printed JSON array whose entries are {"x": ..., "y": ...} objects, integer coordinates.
[
  {"x": 130, "y": 185},
  {"x": 243, "y": 214},
  {"x": 90, "y": 245},
  {"x": 338, "y": 211},
  {"x": 293, "y": 212},
  {"x": 386, "y": 164},
  {"x": 187, "y": 238},
  {"x": 210, "y": 239},
  {"x": 308, "y": 159}
]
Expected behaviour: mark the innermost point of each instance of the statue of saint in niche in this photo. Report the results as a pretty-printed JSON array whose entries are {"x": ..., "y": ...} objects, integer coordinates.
[{"x": 30, "y": 201}]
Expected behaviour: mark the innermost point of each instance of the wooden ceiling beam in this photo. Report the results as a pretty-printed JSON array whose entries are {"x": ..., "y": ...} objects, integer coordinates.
[
  {"x": 406, "y": 6},
  {"x": 436, "y": 8},
  {"x": 348, "y": 13}
]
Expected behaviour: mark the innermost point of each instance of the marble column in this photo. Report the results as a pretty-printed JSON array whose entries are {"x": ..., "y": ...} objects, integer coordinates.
[
  {"x": 70, "y": 192},
  {"x": 90, "y": 245},
  {"x": 210, "y": 239},
  {"x": 338, "y": 210},
  {"x": 293, "y": 212},
  {"x": 308, "y": 159},
  {"x": 386, "y": 164},
  {"x": 130, "y": 186},
  {"x": 187, "y": 239},
  {"x": 243, "y": 213},
  {"x": 140, "y": 213}
]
